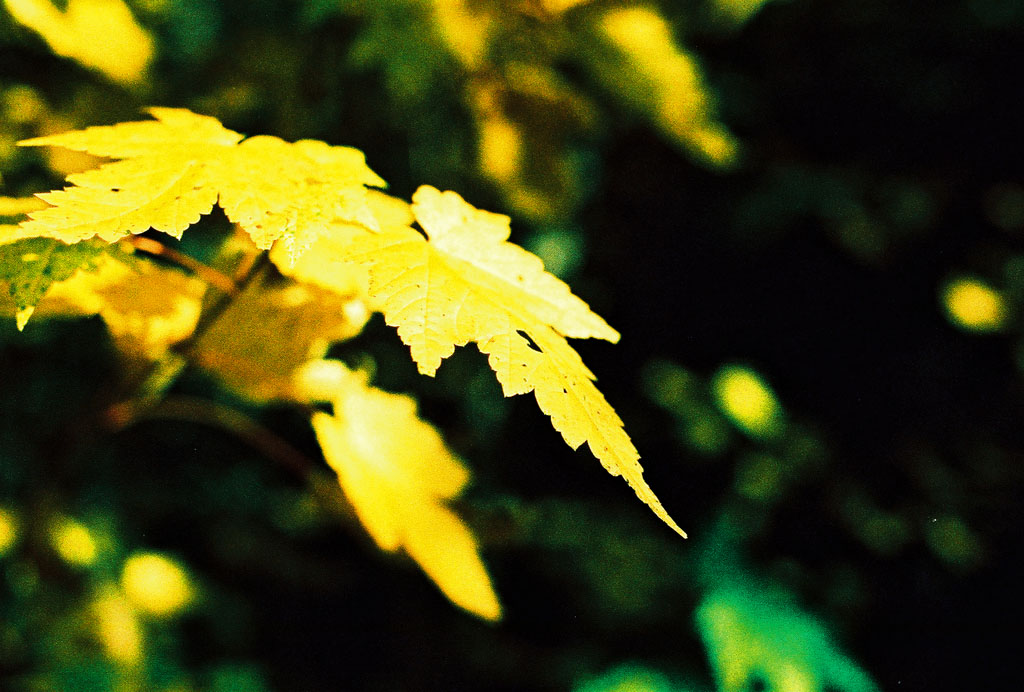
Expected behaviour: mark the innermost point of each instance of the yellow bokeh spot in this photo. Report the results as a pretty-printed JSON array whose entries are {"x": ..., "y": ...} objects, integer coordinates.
[
  {"x": 747, "y": 401},
  {"x": 22, "y": 104},
  {"x": 73, "y": 542},
  {"x": 464, "y": 29},
  {"x": 156, "y": 584},
  {"x": 500, "y": 146},
  {"x": 117, "y": 627},
  {"x": 974, "y": 306},
  {"x": 8, "y": 531}
]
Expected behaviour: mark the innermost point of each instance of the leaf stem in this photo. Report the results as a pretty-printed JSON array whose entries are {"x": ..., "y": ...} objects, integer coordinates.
[{"x": 203, "y": 271}]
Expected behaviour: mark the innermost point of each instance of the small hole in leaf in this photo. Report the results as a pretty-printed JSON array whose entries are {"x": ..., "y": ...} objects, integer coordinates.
[
  {"x": 757, "y": 684},
  {"x": 529, "y": 342},
  {"x": 115, "y": 189}
]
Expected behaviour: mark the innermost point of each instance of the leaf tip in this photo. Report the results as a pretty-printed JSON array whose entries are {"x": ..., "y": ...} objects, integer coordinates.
[{"x": 22, "y": 317}]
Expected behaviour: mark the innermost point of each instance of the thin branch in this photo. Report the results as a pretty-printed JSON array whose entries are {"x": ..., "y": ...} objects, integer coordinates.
[
  {"x": 324, "y": 486},
  {"x": 203, "y": 271},
  {"x": 203, "y": 411}
]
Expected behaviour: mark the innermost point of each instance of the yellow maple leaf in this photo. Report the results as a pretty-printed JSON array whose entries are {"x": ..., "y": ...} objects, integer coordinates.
[
  {"x": 398, "y": 474},
  {"x": 467, "y": 283},
  {"x": 321, "y": 265},
  {"x": 175, "y": 168}
]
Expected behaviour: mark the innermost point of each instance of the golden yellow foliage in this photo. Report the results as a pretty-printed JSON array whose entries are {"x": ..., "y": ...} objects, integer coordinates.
[
  {"x": 463, "y": 282},
  {"x": 174, "y": 169},
  {"x": 321, "y": 265},
  {"x": 398, "y": 474},
  {"x": 467, "y": 283},
  {"x": 101, "y": 34}
]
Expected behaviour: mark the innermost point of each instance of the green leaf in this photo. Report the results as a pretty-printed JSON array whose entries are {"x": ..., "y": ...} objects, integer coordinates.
[
  {"x": 32, "y": 265},
  {"x": 757, "y": 636}
]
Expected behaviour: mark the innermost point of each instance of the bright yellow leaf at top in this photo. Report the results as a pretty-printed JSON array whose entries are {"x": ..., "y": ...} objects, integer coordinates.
[
  {"x": 320, "y": 264},
  {"x": 465, "y": 282},
  {"x": 100, "y": 34},
  {"x": 156, "y": 584},
  {"x": 175, "y": 168},
  {"x": 747, "y": 400},
  {"x": 974, "y": 306},
  {"x": 398, "y": 474},
  {"x": 73, "y": 542}
]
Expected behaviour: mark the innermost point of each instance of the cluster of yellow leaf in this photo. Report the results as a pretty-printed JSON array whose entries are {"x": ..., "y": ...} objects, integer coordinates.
[
  {"x": 174, "y": 169},
  {"x": 529, "y": 117},
  {"x": 461, "y": 282}
]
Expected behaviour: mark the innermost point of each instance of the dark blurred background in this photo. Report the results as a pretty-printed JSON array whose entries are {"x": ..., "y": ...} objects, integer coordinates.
[{"x": 804, "y": 217}]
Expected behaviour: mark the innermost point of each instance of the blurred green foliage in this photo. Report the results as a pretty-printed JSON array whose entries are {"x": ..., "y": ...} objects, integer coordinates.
[{"x": 829, "y": 218}]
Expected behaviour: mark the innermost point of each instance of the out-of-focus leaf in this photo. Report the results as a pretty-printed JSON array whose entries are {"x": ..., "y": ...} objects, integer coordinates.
[
  {"x": 271, "y": 329},
  {"x": 758, "y": 639},
  {"x": 101, "y": 34},
  {"x": 147, "y": 308},
  {"x": 654, "y": 75},
  {"x": 398, "y": 474}
]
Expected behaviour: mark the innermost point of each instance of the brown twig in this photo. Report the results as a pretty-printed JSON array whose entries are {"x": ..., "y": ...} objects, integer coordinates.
[{"x": 205, "y": 272}]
